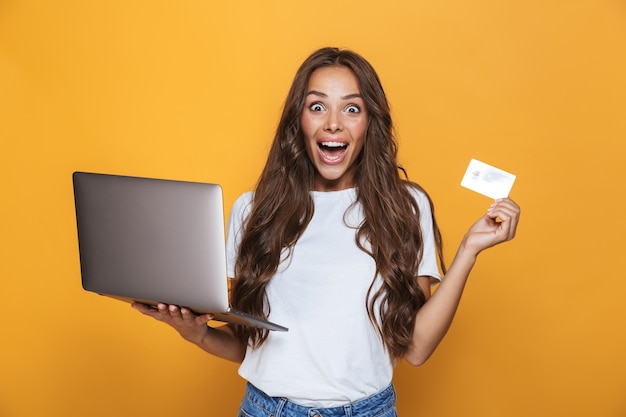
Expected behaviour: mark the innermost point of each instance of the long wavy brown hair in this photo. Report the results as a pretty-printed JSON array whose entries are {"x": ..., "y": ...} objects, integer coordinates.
[{"x": 282, "y": 208}]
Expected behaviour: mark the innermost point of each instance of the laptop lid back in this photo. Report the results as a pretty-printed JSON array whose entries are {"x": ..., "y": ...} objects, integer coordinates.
[{"x": 152, "y": 240}]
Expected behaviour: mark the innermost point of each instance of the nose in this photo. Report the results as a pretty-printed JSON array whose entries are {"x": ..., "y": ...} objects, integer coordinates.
[{"x": 333, "y": 121}]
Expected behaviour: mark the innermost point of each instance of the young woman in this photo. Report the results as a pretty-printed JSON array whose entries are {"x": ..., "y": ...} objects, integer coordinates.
[{"x": 335, "y": 245}]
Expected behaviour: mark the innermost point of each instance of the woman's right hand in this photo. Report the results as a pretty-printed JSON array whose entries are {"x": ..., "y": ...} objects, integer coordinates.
[
  {"x": 219, "y": 341},
  {"x": 191, "y": 326}
]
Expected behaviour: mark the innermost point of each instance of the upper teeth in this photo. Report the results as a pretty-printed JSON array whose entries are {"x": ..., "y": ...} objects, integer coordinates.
[{"x": 333, "y": 144}]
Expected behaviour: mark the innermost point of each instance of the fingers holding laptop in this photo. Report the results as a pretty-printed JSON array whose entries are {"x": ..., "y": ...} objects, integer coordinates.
[
  {"x": 182, "y": 319},
  {"x": 169, "y": 312}
]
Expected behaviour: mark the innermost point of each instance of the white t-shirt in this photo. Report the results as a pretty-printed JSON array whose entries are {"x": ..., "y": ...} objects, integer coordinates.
[{"x": 331, "y": 354}]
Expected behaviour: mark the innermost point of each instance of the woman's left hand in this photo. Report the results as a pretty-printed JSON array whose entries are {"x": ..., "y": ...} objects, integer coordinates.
[{"x": 498, "y": 225}]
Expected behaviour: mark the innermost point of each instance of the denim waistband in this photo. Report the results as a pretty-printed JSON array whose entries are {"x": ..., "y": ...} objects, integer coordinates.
[{"x": 277, "y": 406}]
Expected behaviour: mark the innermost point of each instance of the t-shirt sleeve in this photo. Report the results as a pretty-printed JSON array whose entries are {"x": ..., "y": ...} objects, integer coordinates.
[
  {"x": 428, "y": 265},
  {"x": 236, "y": 221}
]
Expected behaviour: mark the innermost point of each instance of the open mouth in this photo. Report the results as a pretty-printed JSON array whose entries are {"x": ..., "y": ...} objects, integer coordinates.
[{"x": 332, "y": 151}]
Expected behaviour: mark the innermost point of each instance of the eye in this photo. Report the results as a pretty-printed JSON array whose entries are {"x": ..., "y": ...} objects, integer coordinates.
[
  {"x": 316, "y": 107},
  {"x": 353, "y": 108}
]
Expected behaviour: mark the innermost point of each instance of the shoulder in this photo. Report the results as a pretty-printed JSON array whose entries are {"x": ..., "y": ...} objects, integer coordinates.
[
  {"x": 244, "y": 201},
  {"x": 420, "y": 196},
  {"x": 241, "y": 207}
]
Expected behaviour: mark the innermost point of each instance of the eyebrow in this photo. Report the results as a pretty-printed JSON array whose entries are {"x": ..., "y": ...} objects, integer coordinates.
[{"x": 323, "y": 95}]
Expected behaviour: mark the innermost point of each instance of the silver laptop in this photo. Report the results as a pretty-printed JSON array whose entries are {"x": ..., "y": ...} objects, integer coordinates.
[{"x": 152, "y": 240}]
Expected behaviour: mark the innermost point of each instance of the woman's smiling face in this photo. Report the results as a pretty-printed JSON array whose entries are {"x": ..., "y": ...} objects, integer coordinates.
[{"x": 334, "y": 122}]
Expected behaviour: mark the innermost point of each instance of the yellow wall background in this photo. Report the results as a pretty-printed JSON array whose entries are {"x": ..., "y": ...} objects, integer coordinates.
[{"x": 192, "y": 90}]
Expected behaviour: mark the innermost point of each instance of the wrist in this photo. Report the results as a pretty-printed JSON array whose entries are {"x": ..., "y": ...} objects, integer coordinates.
[
  {"x": 197, "y": 336},
  {"x": 467, "y": 253}
]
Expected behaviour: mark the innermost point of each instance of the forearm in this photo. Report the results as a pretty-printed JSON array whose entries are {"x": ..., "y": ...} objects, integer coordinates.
[
  {"x": 221, "y": 342},
  {"x": 435, "y": 317}
]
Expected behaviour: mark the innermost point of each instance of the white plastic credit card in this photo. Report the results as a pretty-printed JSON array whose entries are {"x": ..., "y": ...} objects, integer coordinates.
[{"x": 487, "y": 180}]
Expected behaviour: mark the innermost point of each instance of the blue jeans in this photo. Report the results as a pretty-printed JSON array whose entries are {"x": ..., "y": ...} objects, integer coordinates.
[{"x": 258, "y": 404}]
